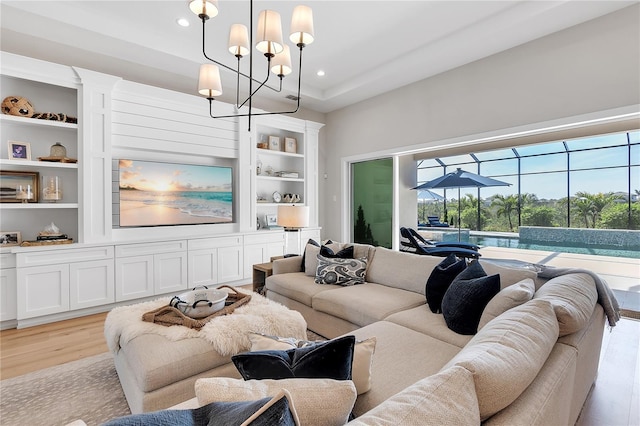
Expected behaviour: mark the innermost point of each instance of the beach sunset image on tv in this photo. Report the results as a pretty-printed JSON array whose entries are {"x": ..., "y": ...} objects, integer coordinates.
[{"x": 155, "y": 194}]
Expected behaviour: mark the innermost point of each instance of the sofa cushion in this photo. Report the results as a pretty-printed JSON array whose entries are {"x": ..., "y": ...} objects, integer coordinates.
[
  {"x": 507, "y": 354},
  {"x": 362, "y": 355},
  {"x": 365, "y": 303},
  {"x": 421, "y": 319},
  {"x": 310, "y": 242},
  {"x": 311, "y": 252},
  {"x": 340, "y": 271},
  {"x": 573, "y": 297},
  {"x": 447, "y": 398},
  {"x": 510, "y": 272},
  {"x": 331, "y": 359},
  {"x": 440, "y": 279},
  {"x": 509, "y": 297},
  {"x": 403, "y": 356},
  {"x": 466, "y": 298},
  {"x": 317, "y": 401},
  {"x": 297, "y": 286},
  {"x": 401, "y": 270}
]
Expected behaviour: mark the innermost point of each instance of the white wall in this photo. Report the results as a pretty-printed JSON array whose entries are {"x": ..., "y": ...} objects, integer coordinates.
[{"x": 590, "y": 68}]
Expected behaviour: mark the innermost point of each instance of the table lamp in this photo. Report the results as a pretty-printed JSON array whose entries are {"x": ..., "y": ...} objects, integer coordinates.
[{"x": 293, "y": 218}]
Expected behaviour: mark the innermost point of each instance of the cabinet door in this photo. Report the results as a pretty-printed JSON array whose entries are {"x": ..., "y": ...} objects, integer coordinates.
[
  {"x": 203, "y": 267},
  {"x": 229, "y": 264},
  {"x": 134, "y": 277},
  {"x": 254, "y": 254},
  {"x": 274, "y": 249},
  {"x": 8, "y": 294},
  {"x": 42, "y": 290},
  {"x": 170, "y": 272},
  {"x": 91, "y": 284}
]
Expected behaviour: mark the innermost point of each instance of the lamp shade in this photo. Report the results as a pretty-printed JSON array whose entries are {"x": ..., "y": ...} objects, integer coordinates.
[
  {"x": 269, "y": 36},
  {"x": 281, "y": 63},
  {"x": 209, "y": 84},
  {"x": 293, "y": 216},
  {"x": 209, "y": 8},
  {"x": 302, "y": 25},
  {"x": 238, "y": 40}
]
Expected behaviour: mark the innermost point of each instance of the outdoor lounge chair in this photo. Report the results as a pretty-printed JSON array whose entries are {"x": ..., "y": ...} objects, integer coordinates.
[
  {"x": 431, "y": 243},
  {"x": 410, "y": 244},
  {"x": 435, "y": 222}
]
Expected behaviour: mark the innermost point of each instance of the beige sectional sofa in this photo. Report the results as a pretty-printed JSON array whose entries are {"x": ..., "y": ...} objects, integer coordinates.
[{"x": 525, "y": 367}]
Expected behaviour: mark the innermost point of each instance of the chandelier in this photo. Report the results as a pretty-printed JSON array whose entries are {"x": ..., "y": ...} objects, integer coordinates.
[{"x": 268, "y": 41}]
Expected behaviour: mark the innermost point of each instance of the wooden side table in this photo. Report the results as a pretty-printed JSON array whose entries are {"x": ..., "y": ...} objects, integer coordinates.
[{"x": 260, "y": 273}]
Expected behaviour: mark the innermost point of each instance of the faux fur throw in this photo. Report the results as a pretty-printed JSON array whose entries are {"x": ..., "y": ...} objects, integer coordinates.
[{"x": 228, "y": 334}]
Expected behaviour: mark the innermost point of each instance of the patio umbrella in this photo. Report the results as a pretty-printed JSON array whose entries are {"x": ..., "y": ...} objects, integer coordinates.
[{"x": 460, "y": 179}]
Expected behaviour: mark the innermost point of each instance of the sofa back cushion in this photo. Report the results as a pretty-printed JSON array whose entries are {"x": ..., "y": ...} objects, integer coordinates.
[
  {"x": 446, "y": 398},
  {"x": 312, "y": 250},
  {"x": 396, "y": 269},
  {"x": 510, "y": 272},
  {"x": 507, "y": 298},
  {"x": 507, "y": 354},
  {"x": 573, "y": 297}
]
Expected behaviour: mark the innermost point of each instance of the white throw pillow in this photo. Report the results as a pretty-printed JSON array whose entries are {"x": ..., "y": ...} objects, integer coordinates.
[
  {"x": 362, "y": 355},
  {"x": 316, "y": 401}
]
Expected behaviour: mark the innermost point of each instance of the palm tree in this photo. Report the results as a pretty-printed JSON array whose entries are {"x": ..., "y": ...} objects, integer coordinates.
[
  {"x": 591, "y": 205},
  {"x": 506, "y": 206},
  {"x": 583, "y": 206}
]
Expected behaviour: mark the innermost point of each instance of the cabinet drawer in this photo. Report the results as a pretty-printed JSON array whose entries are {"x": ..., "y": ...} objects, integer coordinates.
[
  {"x": 7, "y": 260},
  {"x": 264, "y": 237},
  {"x": 55, "y": 257},
  {"x": 150, "y": 248},
  {"x": 208, "y": 243}
]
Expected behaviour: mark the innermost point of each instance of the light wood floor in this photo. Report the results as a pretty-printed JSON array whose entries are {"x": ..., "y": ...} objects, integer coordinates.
[{"x": 614, "y": 400}]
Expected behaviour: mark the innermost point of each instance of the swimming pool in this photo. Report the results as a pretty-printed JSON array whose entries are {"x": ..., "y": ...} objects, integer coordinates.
[{"x": 509, "y": 242}]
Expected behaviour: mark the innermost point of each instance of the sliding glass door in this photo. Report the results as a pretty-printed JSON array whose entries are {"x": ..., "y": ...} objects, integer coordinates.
[{"x": 372, "y": 202}]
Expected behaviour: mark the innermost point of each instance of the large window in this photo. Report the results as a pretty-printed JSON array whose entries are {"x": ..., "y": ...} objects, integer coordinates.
[{"x": 590, "y": 182}]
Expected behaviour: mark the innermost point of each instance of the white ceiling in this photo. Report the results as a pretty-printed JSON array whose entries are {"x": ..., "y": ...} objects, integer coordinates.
[{"x": 365, "y": 47}]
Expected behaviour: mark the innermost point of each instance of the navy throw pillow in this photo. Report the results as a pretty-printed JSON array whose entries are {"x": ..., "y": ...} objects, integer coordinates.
[
  {"x": 345, "y": 253},
  {"x": 440, "y": 279},
  {"x": 332, "y": 359},
  {"x": 466, "y": 298},
  {"x": 215, "y": 413}
]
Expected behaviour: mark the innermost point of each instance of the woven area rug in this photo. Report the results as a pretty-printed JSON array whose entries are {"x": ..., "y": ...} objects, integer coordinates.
[{"x": 87, "y": 389}]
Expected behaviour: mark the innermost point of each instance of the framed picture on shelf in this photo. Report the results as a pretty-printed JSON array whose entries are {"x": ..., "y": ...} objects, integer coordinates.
[
  {"x": 291, "y": 145},
  {"x": 274, "y": 143},
  {"x": 271, "y": 220},
  {"x": 10, "y": 238},
  {"x": 19, "y": 187},
  {"x": 19, "y": 150}
]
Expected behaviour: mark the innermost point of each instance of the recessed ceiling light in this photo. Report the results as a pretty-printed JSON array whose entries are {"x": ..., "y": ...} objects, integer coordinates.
[
  {"x": 183, "y": 22},
  {"x": 320, "y": 73}
]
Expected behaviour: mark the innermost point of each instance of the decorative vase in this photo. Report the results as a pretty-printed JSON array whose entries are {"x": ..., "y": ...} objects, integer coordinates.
[
  {"x": 58, "y": 150},
  {"x": 51, "y": 189}
]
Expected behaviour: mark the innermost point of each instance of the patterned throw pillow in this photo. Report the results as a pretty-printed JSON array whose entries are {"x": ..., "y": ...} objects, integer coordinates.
[{"x": 342, "y": 272}]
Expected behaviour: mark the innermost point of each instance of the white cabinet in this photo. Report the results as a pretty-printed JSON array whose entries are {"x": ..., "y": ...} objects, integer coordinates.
[
  {"x": 215, "y": 260},
  {"x": 149, "y": 269},
  {"x": 54, "y": 281},
  {"x": 260, "y": 247},
  {"x": 8, "y": 287}
]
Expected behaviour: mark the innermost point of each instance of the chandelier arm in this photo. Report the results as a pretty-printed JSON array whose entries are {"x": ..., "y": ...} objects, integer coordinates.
[
  {"x": 238, "y": 72},
  {"x": 251, "y": 114},
  {"x": 261, "y": 85}
]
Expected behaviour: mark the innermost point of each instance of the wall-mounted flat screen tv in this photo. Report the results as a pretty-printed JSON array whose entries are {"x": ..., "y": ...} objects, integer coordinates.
[{"x": 157, "y": 194}]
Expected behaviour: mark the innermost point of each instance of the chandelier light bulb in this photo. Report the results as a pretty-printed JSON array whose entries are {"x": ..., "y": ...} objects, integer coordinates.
[
  {"x": 302, "y": 26},
  {"x": 269, "y": 36}
]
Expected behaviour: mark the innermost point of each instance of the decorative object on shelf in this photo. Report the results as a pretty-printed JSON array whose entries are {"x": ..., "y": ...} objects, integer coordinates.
[
  {"x": 268, "y": 41},
  {"x": 57, "y": 150},
  {"x": 264, "y": 143},
  {"x": 258, "y": 225},
  {"x": 291, "y": 145},
  {"x": 291, "y": 198},
  {"x": 18, "y": 106},
  {"x": 10, "y": 238},
  {"x": 55, "y": 117},
  {"x": 268, "y": 171},
  {"x": 293, "y": 219},
  {"x": 274, "y": 143},
  {"x": 10, "y": 181},
  {"x": 50, "y": 235},
  {"x": 258, "y": 167},
  {"x": 51, "y": 188},
  {"x": 276, "y": 197},
  {"x": 285, "y": 174},
  {"x": 19, "y": 150},
  {"x": 262, "y": 199},
  {"x": 24, "y": 193},
  {"x": 271, "y": 220}
]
